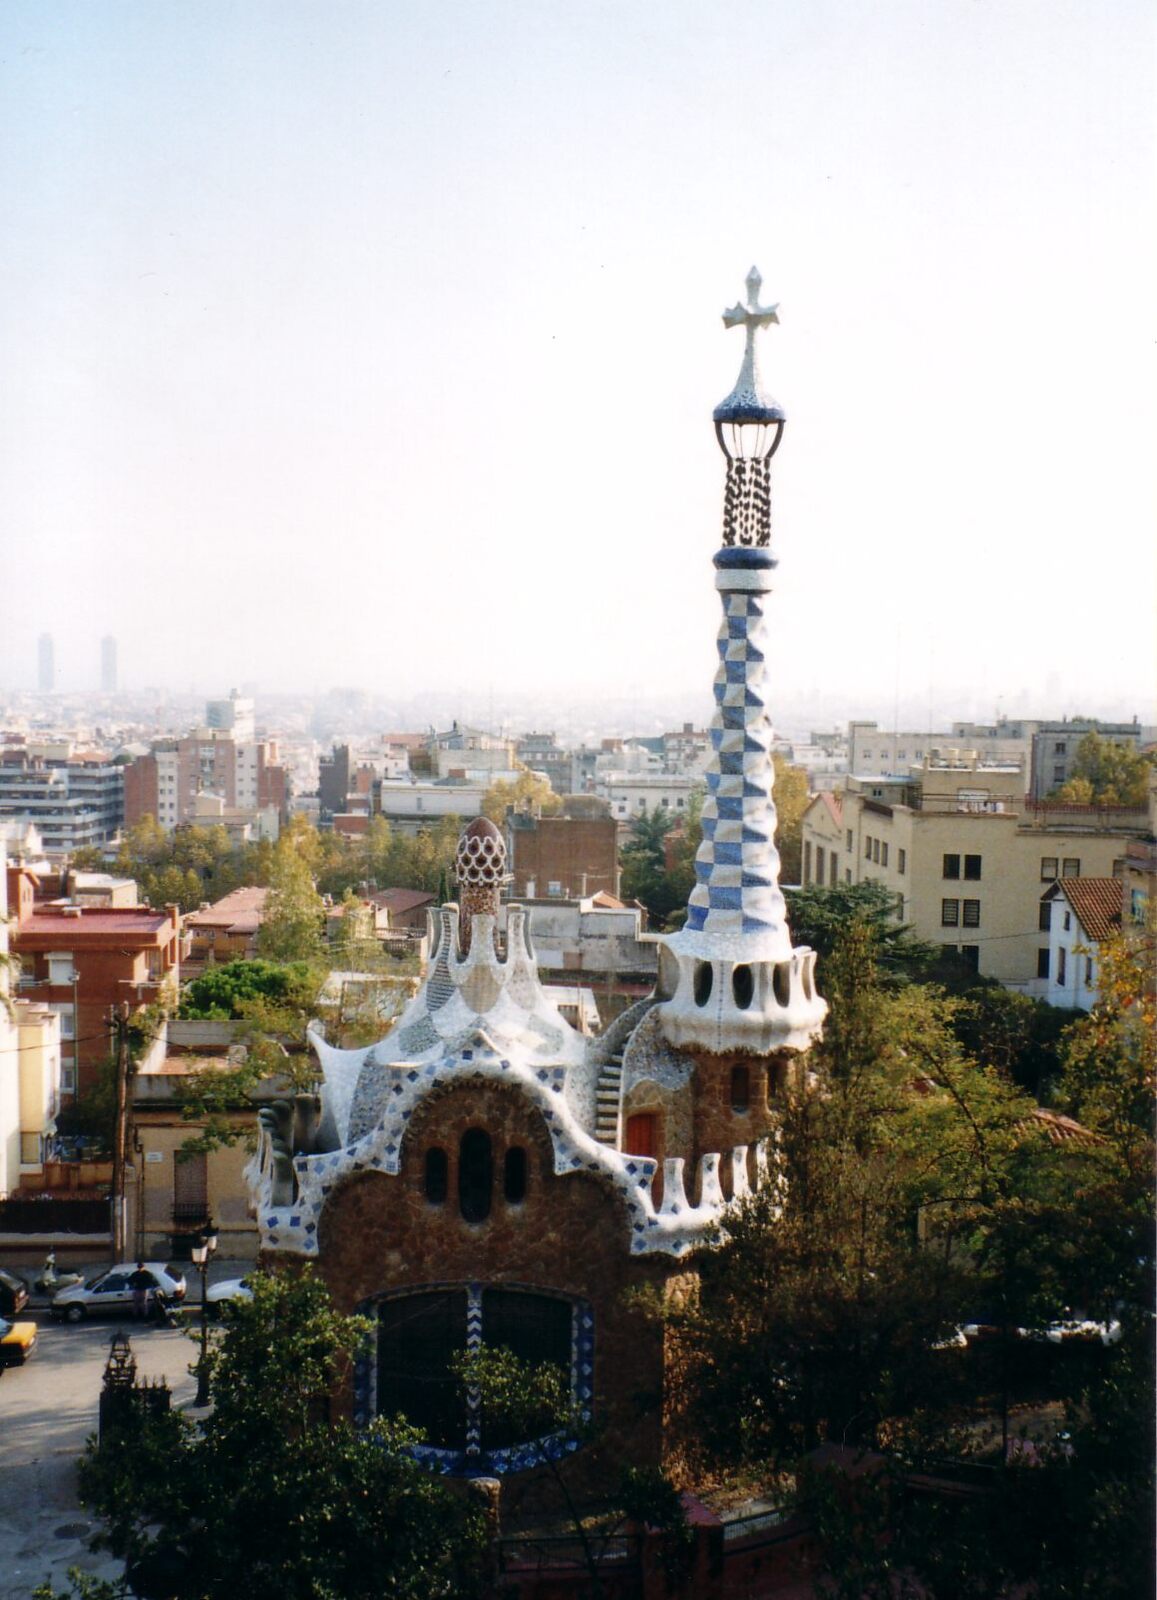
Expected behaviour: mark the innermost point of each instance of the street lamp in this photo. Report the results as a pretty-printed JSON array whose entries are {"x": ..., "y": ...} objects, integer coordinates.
[{"x": 205, "y": 1246}]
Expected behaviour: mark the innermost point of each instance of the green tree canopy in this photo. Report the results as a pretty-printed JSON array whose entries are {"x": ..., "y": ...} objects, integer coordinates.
[
  {"x": 265, "y": 1497},
  {"x": 528, "y": 789},
  {"x": 1106, "y": 773}
]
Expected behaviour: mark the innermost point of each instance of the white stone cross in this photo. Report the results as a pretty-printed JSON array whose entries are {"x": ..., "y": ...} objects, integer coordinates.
[{"x": 753, "y": 315}]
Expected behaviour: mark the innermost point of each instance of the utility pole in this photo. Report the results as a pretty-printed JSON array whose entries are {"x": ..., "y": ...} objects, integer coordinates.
[{"x": 120, "y": 1026}]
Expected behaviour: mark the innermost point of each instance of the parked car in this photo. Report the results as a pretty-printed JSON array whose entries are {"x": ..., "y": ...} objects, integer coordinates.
[
  {"x": 17, "y": 1342},
  {"x": 220, "y": 1295},
  {"x": 109, "y": 1292},
  {"x": 13, "y": 1293}
]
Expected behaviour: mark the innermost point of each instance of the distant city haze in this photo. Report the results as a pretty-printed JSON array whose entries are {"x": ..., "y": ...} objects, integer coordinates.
[{"x": 376, "y": 346}]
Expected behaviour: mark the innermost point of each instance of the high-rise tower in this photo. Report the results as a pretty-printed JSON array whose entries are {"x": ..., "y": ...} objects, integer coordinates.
[
  {"x": 733, "y": 979},
  {"x": 108, "y": 664},
  {"x": 45, "y": 664}
]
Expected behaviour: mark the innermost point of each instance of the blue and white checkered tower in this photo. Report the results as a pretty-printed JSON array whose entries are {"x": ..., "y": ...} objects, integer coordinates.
[{"x": 730, "y": 979}]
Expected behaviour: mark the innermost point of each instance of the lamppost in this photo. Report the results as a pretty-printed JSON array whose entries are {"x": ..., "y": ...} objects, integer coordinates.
[{"x": 205, "y": 1246}]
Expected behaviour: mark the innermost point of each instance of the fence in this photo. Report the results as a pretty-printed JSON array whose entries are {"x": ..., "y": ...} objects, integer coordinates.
[{"x": 54, "y": 1216}]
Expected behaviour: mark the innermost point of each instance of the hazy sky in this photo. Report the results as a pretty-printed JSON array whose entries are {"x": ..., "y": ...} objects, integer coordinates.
[{"x": 376, "y": 343}]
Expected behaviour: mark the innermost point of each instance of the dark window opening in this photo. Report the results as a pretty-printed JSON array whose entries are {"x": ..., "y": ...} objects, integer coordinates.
[
  {"x": 1046, "y": 917},
  {"x": 970, "y": 955},
  {"x": 781, "y": 981},
  {"x": 475, "y": 1175},
  {"x": 972, "y": 867},
  {"x": 437, "y": 1175},
  {"x": 740, "y": 1089},
  {"x": 537, "y": 1329},
  {"x": 704, "y": 978},
  {"x": 514, "y": 1175},
  {"x": 951, "y": 866},
  {"x": 418, "y": 1336},
  {"x": 743, "y": 986},
  {"x": 1042, "y": 963}
]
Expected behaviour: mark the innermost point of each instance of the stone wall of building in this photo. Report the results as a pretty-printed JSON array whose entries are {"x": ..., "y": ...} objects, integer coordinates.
[{"x": 380, "y": 1234}]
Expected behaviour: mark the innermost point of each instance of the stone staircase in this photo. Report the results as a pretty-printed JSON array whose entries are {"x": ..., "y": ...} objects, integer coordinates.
[{"x": 608, "y": 1094}]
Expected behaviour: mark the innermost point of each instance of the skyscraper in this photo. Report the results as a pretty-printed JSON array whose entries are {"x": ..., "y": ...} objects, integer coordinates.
[
  {"x": 45, "y": 664},
  {"x": 108, "y": 664}
]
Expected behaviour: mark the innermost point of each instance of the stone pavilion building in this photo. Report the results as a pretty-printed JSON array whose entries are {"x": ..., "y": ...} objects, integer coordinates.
[{"x": 485, "y": 1172}]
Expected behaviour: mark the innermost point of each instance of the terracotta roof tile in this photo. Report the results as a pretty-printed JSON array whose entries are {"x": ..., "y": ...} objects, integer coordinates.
[{"x": 1097, "y": 903}]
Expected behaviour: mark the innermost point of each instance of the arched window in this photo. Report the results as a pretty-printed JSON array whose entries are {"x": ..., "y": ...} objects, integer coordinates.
[
  {"x": 437, "y": 1175},
  {"x": 740, "y": 1089},
  {"x": 475, "y": 1174},
  {"x": 514, "y": 1175}
]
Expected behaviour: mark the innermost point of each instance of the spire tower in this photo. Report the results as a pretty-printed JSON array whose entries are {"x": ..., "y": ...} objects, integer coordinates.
[{"x": 731, "y": 977}]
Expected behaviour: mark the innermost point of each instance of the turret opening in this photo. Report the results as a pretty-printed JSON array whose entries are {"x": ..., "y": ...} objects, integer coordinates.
[
  {"x": 704, "y": 980},
  {"x": 781, "y": 982},
  {"x": 743, "y": 986}
]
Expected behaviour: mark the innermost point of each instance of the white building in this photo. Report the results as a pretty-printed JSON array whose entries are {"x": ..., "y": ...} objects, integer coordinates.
[{"x": 1080, "y": 914}]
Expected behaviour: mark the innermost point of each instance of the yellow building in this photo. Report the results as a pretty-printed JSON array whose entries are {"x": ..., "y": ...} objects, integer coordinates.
[
  {"x": 168, "y": 1199},
  {"x": 966, "y": 856}
]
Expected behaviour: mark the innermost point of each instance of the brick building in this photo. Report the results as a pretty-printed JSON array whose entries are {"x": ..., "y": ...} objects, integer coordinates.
[
  {"x": 485, "y": 1172},
  {"x": 567, "y": 856},
  {"x": 165, "y": 784},
  {"x": 81, "y": 961}
]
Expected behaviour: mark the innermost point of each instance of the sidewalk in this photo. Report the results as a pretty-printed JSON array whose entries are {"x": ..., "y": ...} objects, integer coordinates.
[{"x": 48, "y": 1409}]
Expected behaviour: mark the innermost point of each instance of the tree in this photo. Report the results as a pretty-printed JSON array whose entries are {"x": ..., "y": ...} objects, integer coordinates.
[
  {"x": 529, "y": 790},
  {"x": 1105, "y": 773},
  {"x": 791, "y": 800},
  {"x": 820, "y": 918},
  {"x": 531, "y": 1401},
  {"x": 291, "y": 929},
  {"x": 266, "y": 1497},
  {"x": 644, "y": 867}
]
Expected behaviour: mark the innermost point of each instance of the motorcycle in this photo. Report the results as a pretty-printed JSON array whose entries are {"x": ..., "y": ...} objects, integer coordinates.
[{"x": 50, "y": 1281}]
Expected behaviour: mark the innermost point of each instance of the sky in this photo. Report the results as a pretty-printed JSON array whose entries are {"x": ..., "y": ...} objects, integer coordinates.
[{"x": 375, "y": 343}]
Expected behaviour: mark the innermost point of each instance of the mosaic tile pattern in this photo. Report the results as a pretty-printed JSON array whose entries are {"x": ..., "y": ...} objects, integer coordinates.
[{"x": 737, "y": 895}]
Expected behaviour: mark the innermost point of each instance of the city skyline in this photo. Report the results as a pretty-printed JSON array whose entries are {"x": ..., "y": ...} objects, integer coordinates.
[{"x": 330, "y": 333}]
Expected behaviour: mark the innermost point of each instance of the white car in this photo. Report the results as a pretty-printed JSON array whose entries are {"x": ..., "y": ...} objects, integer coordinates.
[
  {"x": 219, "y": 1295},
  {"x": 109, "y": 1292}
]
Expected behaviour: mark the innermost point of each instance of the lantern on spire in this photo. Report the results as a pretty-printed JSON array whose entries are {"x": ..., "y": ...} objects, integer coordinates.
[{"x": 749, "y": 425}]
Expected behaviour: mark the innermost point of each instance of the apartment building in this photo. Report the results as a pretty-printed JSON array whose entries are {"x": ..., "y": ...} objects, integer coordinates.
[
  {"x": 166, "y": 783},
  {"x": 72, "y": 798},
  {"x": 966, "y": 856},
  {"x": 633, "y": 794},
  {"x": 81, "y": 961},
  {"x": 567, "y": 856},
  {"x": 1055, "y": 745},
  {"x": 873, "y": 750}
]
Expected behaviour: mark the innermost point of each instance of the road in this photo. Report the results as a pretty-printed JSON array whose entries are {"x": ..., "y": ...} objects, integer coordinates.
[{"x": 47, "y": 1410}]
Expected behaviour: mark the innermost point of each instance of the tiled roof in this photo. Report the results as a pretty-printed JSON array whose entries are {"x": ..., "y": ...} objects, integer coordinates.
[
  {"x": 1059, "y": 1128},
  {"x": 240, "y": 911},
  {"x": 400, "y": 900},
  {"x": 94, "y": 923},
  {"x": 834, "y": 805},
  {"x": 1097, "y": 903}
]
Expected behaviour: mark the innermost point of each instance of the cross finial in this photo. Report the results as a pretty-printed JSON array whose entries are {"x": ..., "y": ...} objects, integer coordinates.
[{"x": 753, "y": 315}]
